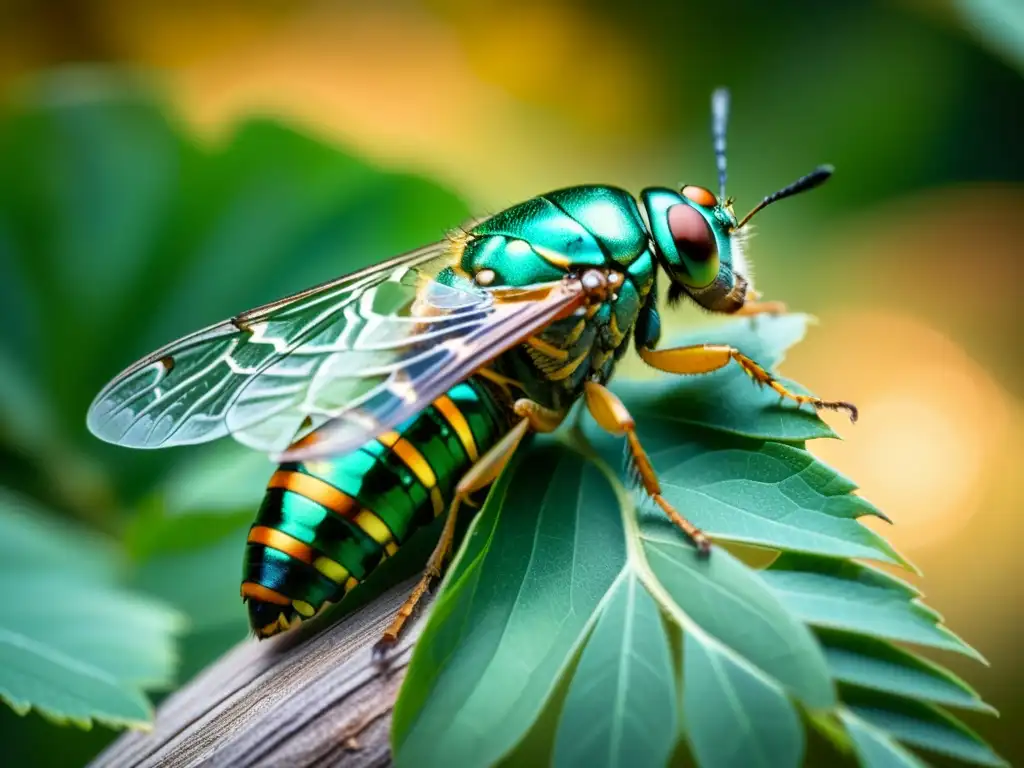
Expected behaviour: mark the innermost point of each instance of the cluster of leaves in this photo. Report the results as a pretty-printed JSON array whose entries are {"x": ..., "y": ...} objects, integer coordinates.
[
  {"x": 579, "y": 627},
  {"x": 118, "y": 232}
]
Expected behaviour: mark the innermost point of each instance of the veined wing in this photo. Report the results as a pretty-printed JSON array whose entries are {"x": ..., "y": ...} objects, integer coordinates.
[
  {"x": 434, "y": 367},
  {"x": 349, "y": 349}
]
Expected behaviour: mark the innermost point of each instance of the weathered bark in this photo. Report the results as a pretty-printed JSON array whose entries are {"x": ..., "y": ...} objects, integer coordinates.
[{"x": 289, "y": 701}]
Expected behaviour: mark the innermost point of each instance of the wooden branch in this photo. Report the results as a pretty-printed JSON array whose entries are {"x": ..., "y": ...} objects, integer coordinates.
[{"x": 293, "y": 700}]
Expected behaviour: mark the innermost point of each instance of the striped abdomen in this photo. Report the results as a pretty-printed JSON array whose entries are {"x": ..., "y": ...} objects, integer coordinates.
[{"x": 325, "y": 525}]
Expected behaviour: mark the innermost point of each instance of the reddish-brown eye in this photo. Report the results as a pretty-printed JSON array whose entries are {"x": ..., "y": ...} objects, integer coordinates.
[
  {"x": 692, "y": 234},
  {"x": 700, "y": 196}
]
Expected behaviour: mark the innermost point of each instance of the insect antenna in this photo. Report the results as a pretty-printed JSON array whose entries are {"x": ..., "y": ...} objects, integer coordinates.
[
  {"x": 719, "y": 121},
  {"x": 813, "y": 179}
]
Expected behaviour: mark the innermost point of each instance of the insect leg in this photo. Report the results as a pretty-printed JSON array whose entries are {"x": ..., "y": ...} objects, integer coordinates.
[
  {"x": 504, "y": 382},
  {"x": 609, "y": 412},
  {"x": 704, "y": 358},
  {"x": 479, "y": 476},
  {"x": 541, "y": 419}
]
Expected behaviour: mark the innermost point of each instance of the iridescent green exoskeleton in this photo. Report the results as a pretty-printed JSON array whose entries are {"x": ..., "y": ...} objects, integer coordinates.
[{"x": 391, "y": 395}]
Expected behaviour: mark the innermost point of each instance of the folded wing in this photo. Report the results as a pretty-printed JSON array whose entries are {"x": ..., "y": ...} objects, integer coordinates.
[{"x": 348, "y": 359}]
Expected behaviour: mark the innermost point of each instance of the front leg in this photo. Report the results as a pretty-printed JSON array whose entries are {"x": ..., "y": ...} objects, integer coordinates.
[{"x": 705, "y": 358}]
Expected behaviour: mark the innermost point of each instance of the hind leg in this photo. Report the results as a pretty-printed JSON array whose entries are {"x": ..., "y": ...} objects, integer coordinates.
[
  {"x": 480, "y": 475},
  {"x": 609, "y": 412}
]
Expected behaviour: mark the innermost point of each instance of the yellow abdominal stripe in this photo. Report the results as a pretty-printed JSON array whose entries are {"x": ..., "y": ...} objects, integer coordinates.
[
  {"x": 458, "y": 422},
  {"x": 373, "y": 526},
  {"x": 418, "y": 465},
  {"x": 331, "y": 569},
  {"x": 283, "y": 542},
  {"x": 326, "y": 495}
]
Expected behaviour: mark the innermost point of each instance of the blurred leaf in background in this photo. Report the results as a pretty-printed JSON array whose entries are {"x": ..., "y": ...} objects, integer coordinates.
[
  {"x": 118, "y": 232},
  {"x": 999, "y": 23},
  {"x": 72, "y": 644}
]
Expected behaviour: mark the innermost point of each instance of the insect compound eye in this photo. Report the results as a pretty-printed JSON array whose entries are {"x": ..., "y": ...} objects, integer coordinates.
[
  {"x": 691, "y": 233},
  {"x": 700, "y": 196}
]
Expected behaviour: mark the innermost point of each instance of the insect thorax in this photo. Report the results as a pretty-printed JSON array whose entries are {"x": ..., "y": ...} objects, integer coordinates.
[{"x": 545, "y": 239}]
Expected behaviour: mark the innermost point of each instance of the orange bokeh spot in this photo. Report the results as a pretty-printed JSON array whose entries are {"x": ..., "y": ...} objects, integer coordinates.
[{"x": 932, "y": 420}]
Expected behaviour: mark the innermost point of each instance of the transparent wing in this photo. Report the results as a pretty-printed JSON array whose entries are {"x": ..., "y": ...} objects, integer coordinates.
[
  {"x": 366, "y": 350},
  {"x": 432, "y": 367}
]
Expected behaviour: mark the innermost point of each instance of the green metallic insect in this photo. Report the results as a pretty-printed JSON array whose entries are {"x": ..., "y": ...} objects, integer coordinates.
[{"x": 393, "y": 394}]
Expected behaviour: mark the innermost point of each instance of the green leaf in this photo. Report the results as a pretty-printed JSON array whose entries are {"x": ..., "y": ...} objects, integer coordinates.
[
  {"x": 872, "y": 663},
  {"x": 188, "y": 541},
  {"x": 727, "y": 400},
  {"x": 858, "y": 598},
  {"x": 32, "y": 739},
  {"x": 151, "y": 533},
  {"x": 123, "y": 633},
  {"x": 538, "y": 746},
  {"x": 75, "y": 200},
  {"x": 33, "y": 540},
  {"x": 732, "y": 714},
  {"x": 23, "y": 414},
  {"x": 920, "y": 725},
  {"x": 497, "y": 641},
  {"x": 755, "y": 492},
  {"x": 730, "y": 602},
  {"x": 62, "y": 687},
  {"x": 453, "y": 690},
  {"x": 874, "y": 747},
  {"x": 618, "y": 711},
  {"x": 73, "y": 645}
]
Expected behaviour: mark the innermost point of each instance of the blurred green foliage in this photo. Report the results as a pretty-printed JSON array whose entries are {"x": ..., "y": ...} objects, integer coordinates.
[
  {"x": 118, "y": 232},
  {"x": 73, "y": 645}
]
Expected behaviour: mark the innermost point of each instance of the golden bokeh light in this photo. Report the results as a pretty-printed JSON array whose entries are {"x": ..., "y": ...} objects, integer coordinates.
[
  {"x": 913, "y": 447},
  {"x": 933, "y": 421},
  {"x": 449, "y": 94}
]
